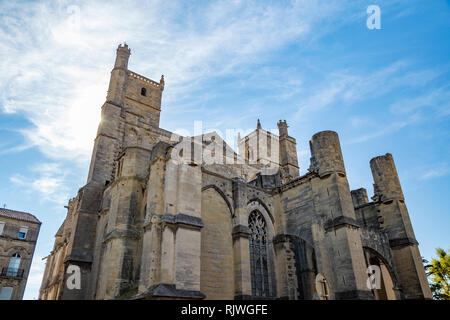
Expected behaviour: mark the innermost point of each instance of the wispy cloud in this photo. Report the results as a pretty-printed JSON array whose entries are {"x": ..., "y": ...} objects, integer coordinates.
[
  {"x": 345, "y": 90},
  {"x": 385, "y": 129},
  {"x": 56, "y": 56},
  {"x": 434, "y": 100},
  {"x": 349, "y": 86},
  {"x": 48, "y": 180},
  {"x": 16, "y": 148},
  {"x": 437, "y": 172}
]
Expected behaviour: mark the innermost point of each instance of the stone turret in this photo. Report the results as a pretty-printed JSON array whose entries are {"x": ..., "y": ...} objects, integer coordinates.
[
  {"x": 282, "y": 128},
  {"x": 387, "y": 185},
  {"x": 288, "y": 153},
  {"x": 397, "y": 225},
  {"x": 119, "y": 75},
  {"x": 122, "y": 57},
  {"x": 326, "y": 154},
  {"x": 340, "y": 232}
]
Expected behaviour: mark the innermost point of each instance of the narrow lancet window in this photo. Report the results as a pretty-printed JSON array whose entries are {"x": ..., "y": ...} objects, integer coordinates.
[{"x": 258, "y": 254}]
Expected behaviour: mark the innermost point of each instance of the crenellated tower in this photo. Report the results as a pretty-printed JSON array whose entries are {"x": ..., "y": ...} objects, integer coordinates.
[{"x": 125, "y": 136}]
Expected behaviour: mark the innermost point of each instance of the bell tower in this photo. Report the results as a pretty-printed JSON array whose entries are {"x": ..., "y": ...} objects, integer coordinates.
[
  {"x": 260, "y": 149},
  {"x": 288, "y": 153}
]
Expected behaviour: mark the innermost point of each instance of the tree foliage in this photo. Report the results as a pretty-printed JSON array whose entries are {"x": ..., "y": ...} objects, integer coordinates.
[{"x": 438, "y": 271}]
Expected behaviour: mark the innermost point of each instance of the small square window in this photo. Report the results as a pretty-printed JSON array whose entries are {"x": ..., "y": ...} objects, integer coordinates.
[
  {"x": 23, "y": 232},
  {"x": 2, "y": 225}
]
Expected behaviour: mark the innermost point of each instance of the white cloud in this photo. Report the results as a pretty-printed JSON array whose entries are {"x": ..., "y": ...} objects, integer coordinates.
[
  {"x": 34, "y": 278},
  {"x": 47, "y": 180},
  {"x": 349, "y": 86},
  {"x": 438, "y": 99},
  {"x": 437, "y": 172},
  {"x": 56, "y": 56},
  {"x": 384, "y": 130},
  {"x": 346, "y": 88}
]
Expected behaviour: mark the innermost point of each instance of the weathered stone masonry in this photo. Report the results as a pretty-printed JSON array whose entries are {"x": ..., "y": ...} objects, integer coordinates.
[
  {"x": 18, "y": 236},
  {"x": 147, "y": 226}
]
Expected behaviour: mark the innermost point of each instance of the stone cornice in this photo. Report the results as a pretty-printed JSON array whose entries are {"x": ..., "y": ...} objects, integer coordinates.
[
  {"x": 117, "y": 234},
  {"x": 240, "y": 231},
  {"x": 296, "y": 182},
  {"x": 126, "y": 178},
  {"x": 183, "y": 220},
  {"x": 169, "y": 291},
  {"x": 339, "y": 222},
  {"x": 141, "y": 103},
  {"x": 402, "y": 242}
]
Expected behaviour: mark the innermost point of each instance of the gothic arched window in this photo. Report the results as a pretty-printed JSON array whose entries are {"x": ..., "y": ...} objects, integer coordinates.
[{"x": 258, "y": 254}]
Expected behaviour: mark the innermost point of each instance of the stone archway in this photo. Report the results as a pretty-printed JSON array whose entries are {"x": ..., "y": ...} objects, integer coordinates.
[
  {"x": 388, "y": 283},
  {"x": 305, "y": 267}
]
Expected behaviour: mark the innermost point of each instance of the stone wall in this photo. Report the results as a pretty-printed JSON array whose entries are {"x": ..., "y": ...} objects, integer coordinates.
[
  {"x": 216, "y": 273},
  {"x": 11, "y": 244}
]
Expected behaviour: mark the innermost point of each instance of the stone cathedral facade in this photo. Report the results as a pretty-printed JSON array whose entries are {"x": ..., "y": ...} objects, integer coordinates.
[{"x": 149, "y": 226}]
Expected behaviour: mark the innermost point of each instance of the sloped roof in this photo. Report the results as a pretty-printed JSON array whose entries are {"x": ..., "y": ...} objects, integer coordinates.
[
  {"x": 214, "y": 137},
  {"x": 60, "y": 230},
  {"x": 18, "y": 215}
]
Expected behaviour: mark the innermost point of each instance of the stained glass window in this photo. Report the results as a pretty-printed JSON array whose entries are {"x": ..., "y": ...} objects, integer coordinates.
[{"x": 258, "y": 254}]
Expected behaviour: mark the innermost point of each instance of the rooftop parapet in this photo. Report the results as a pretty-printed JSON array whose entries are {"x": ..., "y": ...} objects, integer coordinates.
[
  {"x": 359, "y": 197},
  {"x": 159, "y": 85}
]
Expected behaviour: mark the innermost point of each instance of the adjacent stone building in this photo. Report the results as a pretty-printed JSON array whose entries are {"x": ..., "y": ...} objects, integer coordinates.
[
  {"x": 169, "y": 217},
  {"x": 18, "y": 235}
]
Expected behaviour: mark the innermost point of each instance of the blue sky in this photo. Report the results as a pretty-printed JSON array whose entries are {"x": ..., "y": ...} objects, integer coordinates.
[{"x": 227, "y": 63}]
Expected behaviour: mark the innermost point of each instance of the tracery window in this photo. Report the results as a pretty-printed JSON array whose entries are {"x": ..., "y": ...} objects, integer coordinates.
[{"x": 258, "y": 254}]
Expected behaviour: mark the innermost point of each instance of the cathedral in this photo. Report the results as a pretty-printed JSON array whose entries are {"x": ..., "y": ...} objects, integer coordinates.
[{"x": 163, "y": 216}]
